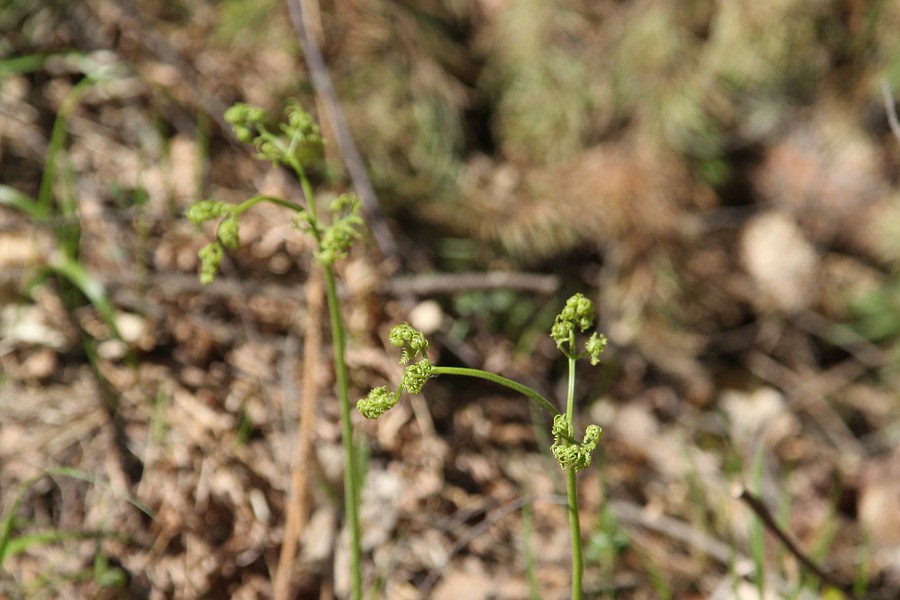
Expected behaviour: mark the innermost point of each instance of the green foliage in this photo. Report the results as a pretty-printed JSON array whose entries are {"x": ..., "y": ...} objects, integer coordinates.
[
  {"x": 569, "y": 454},
  {"x": 881, "y": 40},
  {"x": 412, "y": 129},
  {"x": 578, "y": 313},
  {"x": 291, "y": 144},
  {"x": 210, "y": 258},
  {"x": 379, "y": 401},
  {"x": 410, "y": 340},
  {"x": 57, "y": 200},
  {"x": 337, "y": 238},
  {"x": 294, "y": 139},
  {"x": 207, "y": 210},
  {"x": 243, "y": 23},
  {"x": 416, "y": 375},
  {"x": 875, "y": 315},
  {"x": 24, "y": 203},
  {"x": 877, "y": 312},
  {"x": 573, "y": 456}
]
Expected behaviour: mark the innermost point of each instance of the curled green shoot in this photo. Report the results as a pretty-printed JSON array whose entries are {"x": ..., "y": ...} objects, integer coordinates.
[
  {"x": 292, "y": 144},
  {"x": 572, "y": 455}
]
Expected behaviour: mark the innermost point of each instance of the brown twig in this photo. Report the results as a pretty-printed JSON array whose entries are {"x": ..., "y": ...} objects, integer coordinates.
[
  {"x": 431, "y": 284},
  {"x": 890, "y": 109},
  {"x": 298, "y": 499},
  {"x": 762, "y": 511},
  {"x": 335, "y": 115}
]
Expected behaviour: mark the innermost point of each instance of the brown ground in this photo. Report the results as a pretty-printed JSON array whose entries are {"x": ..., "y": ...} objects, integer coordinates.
[{"x": 752, "y": 313}]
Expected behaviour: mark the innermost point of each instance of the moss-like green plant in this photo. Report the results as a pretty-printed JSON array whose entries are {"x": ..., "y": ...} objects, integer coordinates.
[
  {"x": 290, "y": 145},
  {"x": 571, "y": 454}
]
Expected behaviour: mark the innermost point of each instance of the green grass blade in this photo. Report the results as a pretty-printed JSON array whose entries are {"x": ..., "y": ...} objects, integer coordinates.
[
  {"x": 45, "y": 538},
  {"x": 13, "y": 198},
  {"x": 18, "y": 65},
  {"x": 6, "y": 526},
  {"x": 534, "y": 589},
  {"x": 91, "y": 287}
]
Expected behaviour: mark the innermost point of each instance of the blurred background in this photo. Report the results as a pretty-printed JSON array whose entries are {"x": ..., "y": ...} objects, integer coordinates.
[{"x": 720, "y": 178}]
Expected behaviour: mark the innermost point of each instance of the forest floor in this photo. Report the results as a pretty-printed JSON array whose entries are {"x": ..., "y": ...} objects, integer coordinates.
[{"x": 754, "y": 329}]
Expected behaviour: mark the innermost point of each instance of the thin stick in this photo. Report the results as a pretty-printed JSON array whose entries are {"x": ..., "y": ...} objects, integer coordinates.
[
  {"x": 325, "y": 89},
  {"x": 890, "y": 109},
  {"x": 298, "y": 500},
  {"x": 762, "y": 511},
  {"x": 450, "y": 283}
]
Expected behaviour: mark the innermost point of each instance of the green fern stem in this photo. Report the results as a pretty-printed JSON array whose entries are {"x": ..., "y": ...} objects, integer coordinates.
[
  {"x": 513, "y": 385},
  {"x": 575, "y": 528},
  {"x": 246, "y": 204},
  {"x": 351, "y": 468},
  {"x": 572, "y": 455},
  {"x": 332, "y": 242},
  {"x": 571, "y": 482},
  {"x": 338, "y": 343}
]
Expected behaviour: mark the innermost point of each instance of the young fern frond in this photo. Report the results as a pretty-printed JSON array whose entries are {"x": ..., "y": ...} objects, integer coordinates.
[
  {"x": 413, "y": 343},
  {"x": 210, "y": 258},
  {"x": 337, "y": 238},
  {"x": 573, "y": 456},
  {"x": 577, "y": 314},
  {"x": 379, "y": 401},
  {"x": 207, "y": 210},
  {"x": 288, "y": 146},
  {"x": 410, "y": 340}
]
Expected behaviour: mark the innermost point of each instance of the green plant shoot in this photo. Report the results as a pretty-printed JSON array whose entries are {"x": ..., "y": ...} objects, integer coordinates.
[
  {"x": 291, "y": 145},
  {"x": 571, "y": 454}
]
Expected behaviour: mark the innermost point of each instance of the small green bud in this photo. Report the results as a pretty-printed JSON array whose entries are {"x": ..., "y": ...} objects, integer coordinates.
[
  {"x": 228, "y": 232},
  {"x": 245, "y": 120},
  {"x": 206, "y": 210},
  {"x": 560, "y": 332},
  {"x": 591, "y": 438},
  {"x": 595, "y": 346},
  {"x": 415, "y": 376},
  {"x": 298, "y": 119},
  {"x": 379, "y": 401},
  {"x": 579, "y": 311},
  {"x": 269, "y": 150},
  {"x": 411, "y": 340},
  {"x": 243, "y": 133},
  {"x": 303, "y": 221},
  {"x": 301, "y": 125},
  {"x": 568, "y": 453},
  {"x": 210, "y": 259},
  {"x": 561, "y": 426},
  {"x": 343, "y": 231},
  {"x": 349, "y": 203},
  {"x": 336, "y": 241}
]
